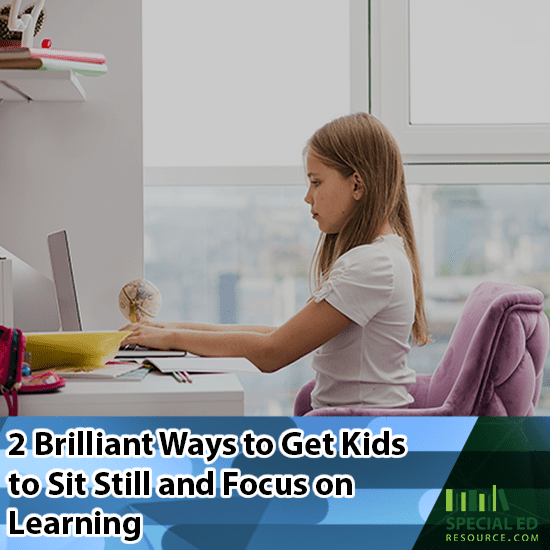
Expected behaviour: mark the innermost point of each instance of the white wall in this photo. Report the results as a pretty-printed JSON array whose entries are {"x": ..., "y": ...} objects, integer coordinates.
[{"x": 78, "y": 166}]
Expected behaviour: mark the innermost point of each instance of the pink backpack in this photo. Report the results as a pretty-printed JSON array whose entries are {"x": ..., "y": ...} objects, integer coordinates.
[{"x": 12, "y": 348}]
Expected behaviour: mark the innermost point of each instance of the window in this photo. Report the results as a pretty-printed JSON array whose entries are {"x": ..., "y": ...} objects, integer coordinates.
[
  {"x": 469, "y": 234},
  {"x": 234, "y": 254},
  {"x": 228, "y": 236},
  {"x": 232, "y": 92},
  {"x": 479, "y": 62},
  {"x": 241, "y": 83},
  {"x": 431, "y": 61},
  {"x": 240, "y": 254}
]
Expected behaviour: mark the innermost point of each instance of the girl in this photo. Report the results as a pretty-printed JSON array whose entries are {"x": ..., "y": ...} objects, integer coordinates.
[{"x": 368, "y": 298}]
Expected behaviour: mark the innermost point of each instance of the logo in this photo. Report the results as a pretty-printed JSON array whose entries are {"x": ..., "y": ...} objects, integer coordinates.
[
  {"x": 475, "y": 501},
  {"x": 486, "y": 516}
]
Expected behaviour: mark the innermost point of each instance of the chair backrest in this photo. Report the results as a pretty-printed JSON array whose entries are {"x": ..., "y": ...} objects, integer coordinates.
[{"x": 493, "y": 365}]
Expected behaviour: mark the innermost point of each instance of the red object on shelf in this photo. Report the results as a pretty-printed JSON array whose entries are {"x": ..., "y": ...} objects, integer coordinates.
[{"x": 46, "y": 43}]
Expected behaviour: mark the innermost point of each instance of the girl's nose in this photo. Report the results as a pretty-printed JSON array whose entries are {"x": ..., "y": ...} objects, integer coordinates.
[{"x": 307, "y": 198}]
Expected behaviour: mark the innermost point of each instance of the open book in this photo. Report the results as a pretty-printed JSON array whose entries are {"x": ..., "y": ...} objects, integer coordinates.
[
  {"x": 193, "y": 363},
  {"x": 136, "y": 370}
]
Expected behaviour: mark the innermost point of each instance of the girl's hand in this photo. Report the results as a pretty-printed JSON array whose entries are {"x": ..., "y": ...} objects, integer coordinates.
[
  {"x": 142, "y": 320},
  {"x": 149, "y": 336}
]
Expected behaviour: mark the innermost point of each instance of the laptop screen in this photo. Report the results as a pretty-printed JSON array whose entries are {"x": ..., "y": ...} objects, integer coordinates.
[{"x": 65, "y": 288}]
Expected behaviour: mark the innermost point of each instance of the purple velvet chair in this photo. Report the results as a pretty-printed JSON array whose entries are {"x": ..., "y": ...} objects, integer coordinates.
[{"x": 493, "y": 365}]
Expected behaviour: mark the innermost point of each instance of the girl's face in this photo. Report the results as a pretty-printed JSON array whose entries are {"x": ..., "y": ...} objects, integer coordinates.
[{"x": 331, "y": 197}]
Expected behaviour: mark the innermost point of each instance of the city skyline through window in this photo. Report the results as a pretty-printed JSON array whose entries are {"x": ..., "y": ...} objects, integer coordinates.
[{"x": 241, "y": 254}]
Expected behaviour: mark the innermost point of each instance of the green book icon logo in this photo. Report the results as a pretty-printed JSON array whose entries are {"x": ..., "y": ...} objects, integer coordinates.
[{"x": 474, "y": 500}]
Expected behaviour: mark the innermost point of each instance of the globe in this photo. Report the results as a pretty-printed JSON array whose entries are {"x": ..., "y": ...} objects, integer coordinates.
[{"x": 139, "y": 298}]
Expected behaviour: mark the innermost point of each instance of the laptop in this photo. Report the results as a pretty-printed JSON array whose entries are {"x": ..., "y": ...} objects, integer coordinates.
[{"x": 67, "y": 299}]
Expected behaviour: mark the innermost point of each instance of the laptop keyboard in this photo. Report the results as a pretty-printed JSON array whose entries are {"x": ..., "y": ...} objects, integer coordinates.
[{"x": 134, "y": 347}]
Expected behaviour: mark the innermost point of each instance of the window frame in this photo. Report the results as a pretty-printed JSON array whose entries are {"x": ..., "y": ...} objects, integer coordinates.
[
  {"x": 460, "y": 154},
  {"x": 379, "y": 84}
]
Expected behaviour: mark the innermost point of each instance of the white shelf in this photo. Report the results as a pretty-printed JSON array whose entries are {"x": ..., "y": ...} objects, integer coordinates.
[{"x": 38, "y": 85}]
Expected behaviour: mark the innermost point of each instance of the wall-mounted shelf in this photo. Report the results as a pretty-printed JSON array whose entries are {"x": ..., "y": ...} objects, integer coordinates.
[{"x": 37, "y": 85}]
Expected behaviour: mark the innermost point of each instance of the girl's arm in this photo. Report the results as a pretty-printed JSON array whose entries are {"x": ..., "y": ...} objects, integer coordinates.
[
  {"x": 190, "y": 325},
  {"x": 269, "y": 351}
]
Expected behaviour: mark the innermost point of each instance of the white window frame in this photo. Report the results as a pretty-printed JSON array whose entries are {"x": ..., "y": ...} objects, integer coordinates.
[
  {"x": 445, "y": 154},
  {"x": 379, "y": 84}
]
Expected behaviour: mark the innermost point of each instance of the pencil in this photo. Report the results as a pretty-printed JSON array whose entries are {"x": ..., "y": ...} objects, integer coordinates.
[
  {"x": 177, "y": 377},
  {"x": 186, "y": 376}
]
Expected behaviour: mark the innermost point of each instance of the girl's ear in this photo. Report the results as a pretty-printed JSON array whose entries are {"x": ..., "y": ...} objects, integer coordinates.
[{"x": 358, "y": 187}]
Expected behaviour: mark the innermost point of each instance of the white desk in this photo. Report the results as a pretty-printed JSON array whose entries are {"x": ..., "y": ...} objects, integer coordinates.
[{"x": 156, "y": 395}]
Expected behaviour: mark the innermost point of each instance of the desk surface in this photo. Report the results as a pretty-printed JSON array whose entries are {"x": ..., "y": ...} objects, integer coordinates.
[{"x": 156, "y": 395}]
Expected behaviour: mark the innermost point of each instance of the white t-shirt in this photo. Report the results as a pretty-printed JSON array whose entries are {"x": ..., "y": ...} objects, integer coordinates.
[{"x": 366, "y": 364}]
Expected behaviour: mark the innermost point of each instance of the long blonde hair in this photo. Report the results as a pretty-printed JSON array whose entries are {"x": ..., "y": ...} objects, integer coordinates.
[{"x": 360, "y": 143}]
